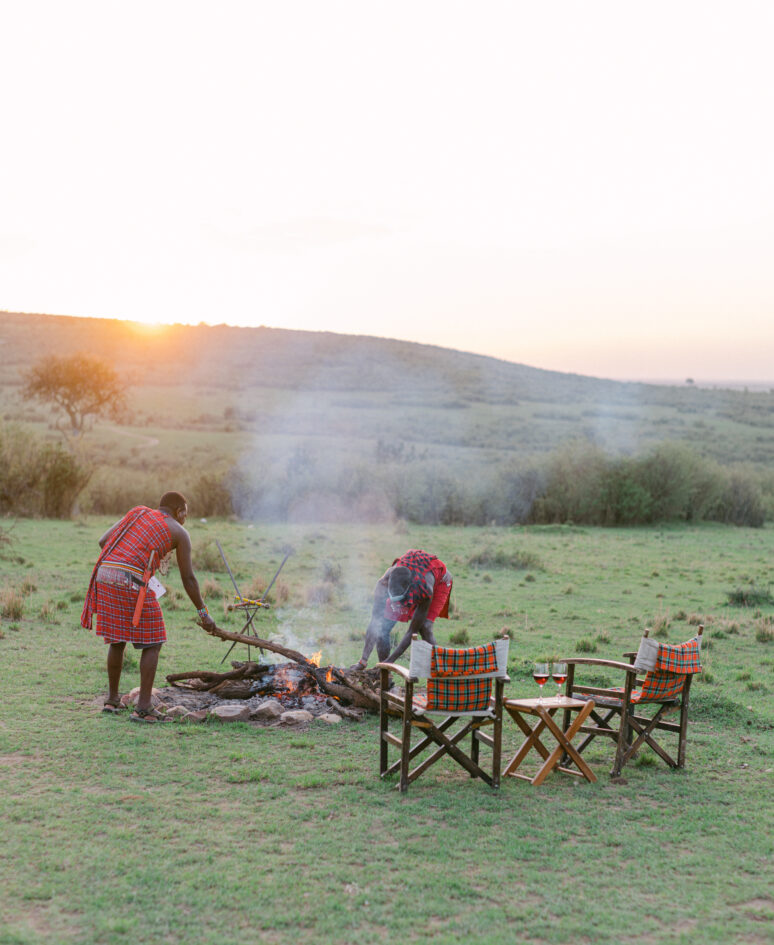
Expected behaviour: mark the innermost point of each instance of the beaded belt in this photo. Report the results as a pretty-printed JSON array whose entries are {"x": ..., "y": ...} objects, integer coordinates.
[{"x": 107, "y": 574}]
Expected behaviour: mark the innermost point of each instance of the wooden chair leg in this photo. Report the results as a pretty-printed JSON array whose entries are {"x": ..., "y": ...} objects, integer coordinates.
[
  {"x": 384, "y": 724},
  {"x": 405, "y": 738},
  {"x": 497, "y": 734},
  {"x": 683, "y": 734}
]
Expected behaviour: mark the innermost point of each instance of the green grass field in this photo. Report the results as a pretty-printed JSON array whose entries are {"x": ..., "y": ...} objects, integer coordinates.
[{"x": 209, "y": 834}]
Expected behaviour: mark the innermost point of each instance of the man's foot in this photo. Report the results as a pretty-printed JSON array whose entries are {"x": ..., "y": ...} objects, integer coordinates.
[
  {"x": 358, "y": 667},
  {"x": 148, "y": 715},
  {"x": 112, "y": 706}
]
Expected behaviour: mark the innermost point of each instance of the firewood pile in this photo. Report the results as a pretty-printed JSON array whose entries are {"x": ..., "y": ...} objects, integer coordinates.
[{"x": 294, "y": 683}]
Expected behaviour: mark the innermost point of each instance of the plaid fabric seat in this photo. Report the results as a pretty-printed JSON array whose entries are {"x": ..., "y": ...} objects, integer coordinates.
[
  {"x": 470, "y": 695},
  {"x": 459, "y": 685}
]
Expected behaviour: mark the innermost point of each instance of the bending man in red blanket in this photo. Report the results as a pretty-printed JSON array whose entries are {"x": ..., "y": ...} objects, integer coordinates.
[
  {"x": 415, "y": 589},
  {"x": 126, "y": 610}
]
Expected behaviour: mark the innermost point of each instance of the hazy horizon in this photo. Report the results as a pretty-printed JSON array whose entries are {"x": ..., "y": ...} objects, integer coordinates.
[
  {"x": 580, "y": 187},
  {"x": 756, "y": 384}
]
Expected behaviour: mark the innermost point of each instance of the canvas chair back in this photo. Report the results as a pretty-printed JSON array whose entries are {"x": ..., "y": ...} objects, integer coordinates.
[
  {"x": 667, "y": 667},
  {"x": 459, "y": 682}
]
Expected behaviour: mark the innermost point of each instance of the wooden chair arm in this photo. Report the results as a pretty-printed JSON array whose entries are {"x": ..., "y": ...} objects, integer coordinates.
[
  {"x": 394, "y": 668},
  {"x": 610, "y": 664}
]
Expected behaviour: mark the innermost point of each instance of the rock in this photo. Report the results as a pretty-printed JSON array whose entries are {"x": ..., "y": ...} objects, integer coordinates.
[
  {"x": 131, "y": 697},
  {"x": 330, "y": 717},
  {"x": 199, "y": 716},
  {"x": 177, "y": 712},
  {"x": 231, "y": 713},
  {"x": 271, "y": 709},
  {"x": 296, "y": 717}
]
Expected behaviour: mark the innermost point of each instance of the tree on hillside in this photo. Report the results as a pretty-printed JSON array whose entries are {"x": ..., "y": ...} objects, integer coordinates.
[{"x": 80, "y": 385}]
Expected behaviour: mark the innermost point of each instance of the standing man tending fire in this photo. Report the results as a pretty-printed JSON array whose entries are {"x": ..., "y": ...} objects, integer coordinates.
[
  {"x": 415, "y": 589},
  {"x": 132, "y": 551}
]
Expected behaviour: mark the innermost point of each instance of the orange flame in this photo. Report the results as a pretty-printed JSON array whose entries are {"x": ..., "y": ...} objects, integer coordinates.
[
  {"x": 315, "y": 658},
  {"x": 329, "y": 674}
]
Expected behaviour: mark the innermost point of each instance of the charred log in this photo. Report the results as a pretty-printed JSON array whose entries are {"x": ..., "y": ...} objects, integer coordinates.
[{"x": 247, "y": 679}]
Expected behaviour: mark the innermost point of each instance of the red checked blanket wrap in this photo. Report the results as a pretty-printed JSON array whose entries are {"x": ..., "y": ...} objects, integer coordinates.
[
  {"x": 448, "y": 692},
  {"x": 420, "y": 564},
  {"x": 673, "y": 663},
  {"x": 139, "y": 532}
]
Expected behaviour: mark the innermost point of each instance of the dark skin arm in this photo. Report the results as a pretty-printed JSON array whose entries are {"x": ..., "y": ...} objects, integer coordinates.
[{"x": 418, "y": 625}]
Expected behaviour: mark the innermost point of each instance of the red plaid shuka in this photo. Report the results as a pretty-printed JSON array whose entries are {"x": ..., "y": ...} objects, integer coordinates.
[
  {"x": 420, "y": 563},
  {"x": 129, "y": 545},
  {"x": 666, "y": 681}
]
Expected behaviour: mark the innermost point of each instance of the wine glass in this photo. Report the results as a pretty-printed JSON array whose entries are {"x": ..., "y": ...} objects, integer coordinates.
[
  {"x": 559, "y": 675},
  {"x": 540, "y": 675}
]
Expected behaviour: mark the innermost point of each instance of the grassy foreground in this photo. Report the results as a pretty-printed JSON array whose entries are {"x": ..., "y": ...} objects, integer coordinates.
[{"x": 114, "y": 833}]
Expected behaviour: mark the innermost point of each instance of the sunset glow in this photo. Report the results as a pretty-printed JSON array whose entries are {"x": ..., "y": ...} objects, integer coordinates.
[{"x": 579, "y": 187}]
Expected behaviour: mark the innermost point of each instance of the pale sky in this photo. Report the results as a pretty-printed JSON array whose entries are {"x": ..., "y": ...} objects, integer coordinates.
[{"x": 581, "y": 185}]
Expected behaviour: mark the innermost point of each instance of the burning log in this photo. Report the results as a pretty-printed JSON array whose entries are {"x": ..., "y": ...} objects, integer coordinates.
[{"x": 249, "y": 678}]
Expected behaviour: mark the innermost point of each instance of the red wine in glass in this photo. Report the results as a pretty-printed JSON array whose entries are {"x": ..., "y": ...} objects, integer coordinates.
[
  {"x": 559, "y": 676},
  {"x": 540, "y": 675}
]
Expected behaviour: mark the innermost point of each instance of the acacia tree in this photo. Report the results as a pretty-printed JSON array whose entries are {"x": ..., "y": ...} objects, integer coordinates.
[{"x": 80, "y": 385}]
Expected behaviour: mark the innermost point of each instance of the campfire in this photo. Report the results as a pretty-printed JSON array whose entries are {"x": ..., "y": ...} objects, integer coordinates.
[{"x": 301, "y": 683}]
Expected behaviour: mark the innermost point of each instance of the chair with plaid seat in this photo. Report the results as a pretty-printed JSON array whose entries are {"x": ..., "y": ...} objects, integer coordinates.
[
  {"x": 621, "y": 713},
  {"x": 459, "y": 688}
]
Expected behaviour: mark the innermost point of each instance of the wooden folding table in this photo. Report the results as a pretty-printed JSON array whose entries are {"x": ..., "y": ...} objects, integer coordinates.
[{"x": 545, "y": 710}]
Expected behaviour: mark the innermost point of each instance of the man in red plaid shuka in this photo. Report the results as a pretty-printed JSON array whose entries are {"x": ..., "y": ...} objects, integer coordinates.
[
  {"x": 415, "y": 589},
  {"x": 131, "y": 552}
]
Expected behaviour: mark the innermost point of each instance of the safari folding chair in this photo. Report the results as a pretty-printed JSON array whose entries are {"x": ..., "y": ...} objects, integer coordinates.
[
  {"x": 624, "y": 714},
  {"x": 459, "y": 688}
]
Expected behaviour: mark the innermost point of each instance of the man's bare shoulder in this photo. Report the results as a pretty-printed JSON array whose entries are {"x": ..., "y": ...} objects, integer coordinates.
[{"x": 179, "y": 534}]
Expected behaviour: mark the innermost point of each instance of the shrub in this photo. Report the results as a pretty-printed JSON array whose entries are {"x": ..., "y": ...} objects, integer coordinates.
[
  {"x": 332, "y": 572},
  {"x": 460, "y": 637},
  {"x": 741, "y": 501},
  {"x": 64, "y": 479},
  {"x": 11, "y": 604},
  {"x": 661, "y": 625},
  {"x": 764, "y": 632},
  {"x": 112, "y": 492},
  {"x": 585, "y": 645},
  {"x": 211, "y": 589},
  {"x": 206, "y": 557},
  {"x": 210, "y": 494},
  {"x": 48, "y": 612},
  {"x": 750, "y": 596},
  {"x": 21, "y": 471},
  {"x": 515, "y": 560},
  {"x": 319, "y": 594}
]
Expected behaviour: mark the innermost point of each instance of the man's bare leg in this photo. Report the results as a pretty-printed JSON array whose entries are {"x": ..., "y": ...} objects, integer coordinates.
[
  {"x": 148, "y": 663},
  {"x": 115, "y": 663}
]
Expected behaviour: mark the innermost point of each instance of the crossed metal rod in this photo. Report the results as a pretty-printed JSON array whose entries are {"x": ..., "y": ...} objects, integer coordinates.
[{"x": 259, "y": 603}]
